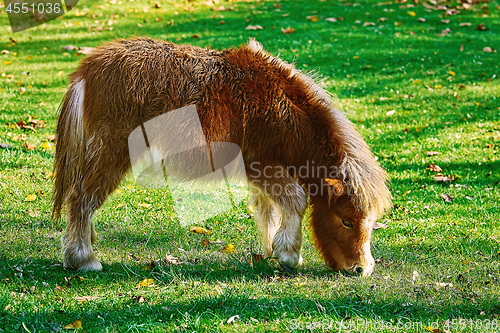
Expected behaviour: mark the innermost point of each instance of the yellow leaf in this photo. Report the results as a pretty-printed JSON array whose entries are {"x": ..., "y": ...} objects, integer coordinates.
[
  {"x": 49, "y": 175},
  {"x": 19, "y": 83},
  {"x": 47, "y": 145},
  {"x": 478, "y": 104},
  {"x": 60, "y": 73},
  {"x": 30, "y": 197},
  {"x": 7, "y": 62},
  {"x": 200, "y": 230},
  {"x": 356, "y": 57},
  {"x": 411, "y": 13},
  {"x": 313, "y": 18},
  {"x": 416, "y": 81},
  {"x": 452, "y": 73},
  {"x": 145, "y": 205},
  {"x": 437, "y": 86},
  {"x": 228, "y": 249},
  {"x": 76, "y": 325},
  {"x": 145, "y": 283}
]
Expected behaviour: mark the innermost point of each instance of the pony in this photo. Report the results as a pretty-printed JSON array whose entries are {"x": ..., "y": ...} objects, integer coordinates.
[{"x": 291, "y": 136}]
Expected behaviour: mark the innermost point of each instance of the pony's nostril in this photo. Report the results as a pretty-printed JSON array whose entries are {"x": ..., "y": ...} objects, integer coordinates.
[{"x": 358, "y": 270}]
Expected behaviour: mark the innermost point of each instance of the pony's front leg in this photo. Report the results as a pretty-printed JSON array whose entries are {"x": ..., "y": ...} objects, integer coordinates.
[{"x": 291, "y": 203}]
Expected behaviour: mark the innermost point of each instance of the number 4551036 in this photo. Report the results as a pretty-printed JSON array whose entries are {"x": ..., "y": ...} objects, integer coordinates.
[{"x": 25, "y": 8}]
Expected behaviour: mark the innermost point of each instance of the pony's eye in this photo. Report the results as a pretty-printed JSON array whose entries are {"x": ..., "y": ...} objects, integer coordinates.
[{"x": 347, "y": 224}]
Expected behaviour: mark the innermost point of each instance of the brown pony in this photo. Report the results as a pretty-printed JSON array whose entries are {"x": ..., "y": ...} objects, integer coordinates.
[{"x": 295, "y": 144}]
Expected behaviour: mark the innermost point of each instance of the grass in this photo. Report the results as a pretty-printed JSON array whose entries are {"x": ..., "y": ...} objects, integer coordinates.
[{"x": 408, "y": 90}]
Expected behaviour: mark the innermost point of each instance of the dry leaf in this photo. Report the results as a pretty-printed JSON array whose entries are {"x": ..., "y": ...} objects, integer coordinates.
[
  {"x": 255, "y": 258},
  {"x": 149, "y": 266},
  {"x": 447, "y": 198},
  {"x": 145, "y": 283},
  {"x": 218, "y": 9},
  {"x": 86, "y": 298},
  {"x": 313, "y": 18},
  {"x": 441, "y": 178},
  {"x": 488, "y": 49},
  {"x": 232, "y": 319},
  {"x": 465, "y": 24},
  {"x": 51, "y": 138},
  {"x": 138, "y": 299},
  {"x": 76, "y": 325},
  {"x": 432, "y": 153},
  {"x": 420, "y": 19},
  {"x": 331, "y": 19},
  {"x": 254, "y": 27},
  {"x": 435, "y": 168},
  {"x": 444, "y": 32},
  {"x": 287, "y": 30},
  {"x": 171, "y": 260},
  {"x": 30, "y": 198},
  {"x": 228, "y": 249},
  {"x": 200, "y": 230},
  {"x": 366, "y": 24},
  {"x": 69, "y": 48},
  {"x": 481, "y": 27},
  {"x": 205, "y": 242},
  {"x": 5, "y": 146}
]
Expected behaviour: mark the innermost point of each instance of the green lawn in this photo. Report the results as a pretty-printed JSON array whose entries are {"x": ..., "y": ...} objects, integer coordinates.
[{"x": 410, "y": 86}]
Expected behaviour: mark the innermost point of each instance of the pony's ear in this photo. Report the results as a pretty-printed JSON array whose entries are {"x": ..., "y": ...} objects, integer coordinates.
[{"x": 336, "y": 186}]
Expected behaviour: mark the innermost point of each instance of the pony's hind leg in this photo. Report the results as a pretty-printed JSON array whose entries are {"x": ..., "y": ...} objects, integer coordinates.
[{"x": 103, "y": 173}]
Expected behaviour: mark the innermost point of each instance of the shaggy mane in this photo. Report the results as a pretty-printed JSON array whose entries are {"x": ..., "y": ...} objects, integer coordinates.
[{"x": 360, "y": 170}]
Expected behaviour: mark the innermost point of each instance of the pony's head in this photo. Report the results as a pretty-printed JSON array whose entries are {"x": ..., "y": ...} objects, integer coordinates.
[{"x": 342, "y": 230}]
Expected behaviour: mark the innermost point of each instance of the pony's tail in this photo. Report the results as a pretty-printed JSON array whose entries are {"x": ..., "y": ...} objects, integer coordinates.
[{"x": 70, "y": 148}]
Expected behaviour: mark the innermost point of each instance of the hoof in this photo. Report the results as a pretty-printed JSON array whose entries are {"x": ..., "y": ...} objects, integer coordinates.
[{"x": 287, "y": 268}]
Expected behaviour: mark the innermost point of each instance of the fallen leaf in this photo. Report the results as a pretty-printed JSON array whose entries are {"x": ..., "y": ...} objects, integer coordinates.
[
  {"x": 75, "y": 325},
  {"x": 444, "y": 32},
  {"x": 366, "y": 24},
  {"x": 205, "y": 242},
  {"x": 390, "y": 113},
  {"x": 488, "y": 49},
  {"x": 420, "y": 19},
  {"x": 465, "y": 24},
  {"x": 138, "y": 299},
  {"x": 69, "y": 48},
  {"x": 195, "y": 36},
  {"x": 481, "y": 27},
  {"x": 447, "y": 198},
  {"x": 452, "y": 73},
  {"x": 218, "y": 9},
  {"x": 30, "y": 198},
  {"x": 287, "y": 30},
  {"x": 5, "y": 146},
  {"x": 441, "y": 178},
  {"x": 228, "y": 249},
  {"x": 435, "y": 168},
  {"x": 47, "y": 145},
  {"x": 51, "y": 138},
  {"x": 382, "y": 19},
  {"x": 86, "y": 298},
  {"x": 29, "y": 146},
  {"x": 149, "y": 266},
  {"x": 145, "y": 283},
  {"x": 411, "y": 13},
  {"x": 461, "y": 47},
  {"x": 441, "y": 285},
  {"x": 254, "y": 27},
  {"x": 313, "y": 18},
  {"x": 445, "y": 21},
  {"x": 200, "y": 230},
  {"x": 432, "y": 153},
  {"x": 331, "y": 19},
  {"x": 255, "y": 258},
  {"x": 171, "y": 260},
  {"x": 232, "y": 319}
]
